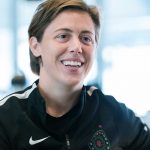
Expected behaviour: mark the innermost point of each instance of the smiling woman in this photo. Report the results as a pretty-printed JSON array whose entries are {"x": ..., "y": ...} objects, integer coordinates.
[{"x": 58, "y": 109}]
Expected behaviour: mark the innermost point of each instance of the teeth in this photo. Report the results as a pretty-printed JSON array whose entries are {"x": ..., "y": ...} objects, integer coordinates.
[{"x": 71, "y": 63}]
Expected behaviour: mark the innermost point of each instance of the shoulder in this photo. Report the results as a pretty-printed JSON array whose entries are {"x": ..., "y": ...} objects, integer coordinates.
[
  {"x": 12, "y": 102},
  {"x": 96, "y": 93},
  {"x": 119, "y": 120},
  {"x": 108, "y": 103}
]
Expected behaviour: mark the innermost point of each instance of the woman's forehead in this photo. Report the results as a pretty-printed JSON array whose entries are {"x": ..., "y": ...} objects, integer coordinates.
[{"x": 73, "y": 19}]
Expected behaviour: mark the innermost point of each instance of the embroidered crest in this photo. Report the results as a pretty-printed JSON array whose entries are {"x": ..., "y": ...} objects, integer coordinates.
[{"x": 99, "y": 141}]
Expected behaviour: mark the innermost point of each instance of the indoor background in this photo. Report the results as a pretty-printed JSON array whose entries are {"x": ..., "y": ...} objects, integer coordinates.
[{"x": 122, "y": 67}]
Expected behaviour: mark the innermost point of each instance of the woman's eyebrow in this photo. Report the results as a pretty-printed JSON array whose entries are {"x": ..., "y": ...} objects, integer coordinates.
[
  {"x": 69, "y": 30},
  {"x": 87, "y": 31},
  {"x": 63, "y": 29}
]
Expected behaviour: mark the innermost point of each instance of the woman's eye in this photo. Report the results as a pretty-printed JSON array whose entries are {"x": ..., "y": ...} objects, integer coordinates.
[
  {"x": 62, "y": 37},
  {"x": 87, "y": 40}
]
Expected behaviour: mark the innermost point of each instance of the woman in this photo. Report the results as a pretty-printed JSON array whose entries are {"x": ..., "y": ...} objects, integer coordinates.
[{"x": 58, "y": 112}]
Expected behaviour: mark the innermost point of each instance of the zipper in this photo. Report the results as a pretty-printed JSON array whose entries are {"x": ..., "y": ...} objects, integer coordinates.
[{"x": 67, "y": 141}]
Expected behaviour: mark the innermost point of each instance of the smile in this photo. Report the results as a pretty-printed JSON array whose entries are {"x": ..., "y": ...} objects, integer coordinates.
[{"x": 72, "y": 63}]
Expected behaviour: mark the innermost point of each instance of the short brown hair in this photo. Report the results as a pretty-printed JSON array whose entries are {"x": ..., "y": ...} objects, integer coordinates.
[{"x": 48, "y": 11}]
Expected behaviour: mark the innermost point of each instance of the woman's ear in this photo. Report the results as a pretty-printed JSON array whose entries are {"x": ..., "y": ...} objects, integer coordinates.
[{"x": 34, "y": 46}]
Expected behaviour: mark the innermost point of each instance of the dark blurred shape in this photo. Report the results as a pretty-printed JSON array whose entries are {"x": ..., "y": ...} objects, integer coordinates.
[{"x": 18, "y": 80}]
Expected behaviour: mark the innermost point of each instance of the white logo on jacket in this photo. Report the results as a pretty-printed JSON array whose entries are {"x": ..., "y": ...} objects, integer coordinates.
[{"x": 33, "y": 142}]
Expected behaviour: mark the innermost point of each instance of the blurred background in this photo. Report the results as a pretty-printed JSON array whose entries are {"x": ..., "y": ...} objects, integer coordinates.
[{"x": 122, "y": 67}]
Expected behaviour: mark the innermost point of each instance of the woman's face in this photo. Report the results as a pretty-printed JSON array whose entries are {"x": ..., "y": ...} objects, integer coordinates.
[{"x": 67, "y": 48}]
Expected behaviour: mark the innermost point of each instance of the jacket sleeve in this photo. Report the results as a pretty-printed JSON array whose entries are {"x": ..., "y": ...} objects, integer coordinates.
[{"x": 133, "y": 133}]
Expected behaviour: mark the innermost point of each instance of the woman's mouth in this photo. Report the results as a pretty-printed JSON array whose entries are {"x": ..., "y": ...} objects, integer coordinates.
[{"x": 72, "y": 63}]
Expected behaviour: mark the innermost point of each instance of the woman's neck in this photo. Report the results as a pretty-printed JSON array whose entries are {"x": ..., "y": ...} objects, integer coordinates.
[{"x": 59, "y": 100}]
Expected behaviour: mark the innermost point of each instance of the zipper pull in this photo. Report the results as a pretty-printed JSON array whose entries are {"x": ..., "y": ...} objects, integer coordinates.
[{"x": 67, "y": 142}]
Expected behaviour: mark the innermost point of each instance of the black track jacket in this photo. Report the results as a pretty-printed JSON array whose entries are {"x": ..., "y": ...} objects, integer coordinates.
[{"x": 96, "y": 122}]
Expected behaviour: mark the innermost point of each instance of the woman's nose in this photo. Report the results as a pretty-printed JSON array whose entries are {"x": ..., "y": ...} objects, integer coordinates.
[{"x": 75, "y": 45}]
